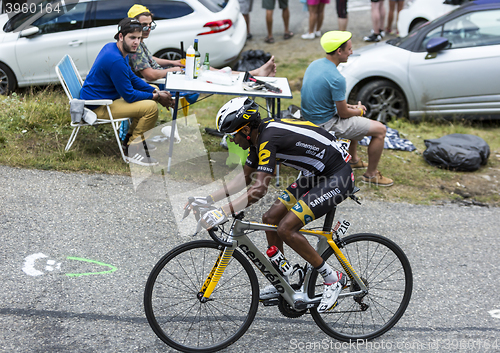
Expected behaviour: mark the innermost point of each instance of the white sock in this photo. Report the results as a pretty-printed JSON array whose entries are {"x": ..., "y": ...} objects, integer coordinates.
[{"x": 329, "y": 276}]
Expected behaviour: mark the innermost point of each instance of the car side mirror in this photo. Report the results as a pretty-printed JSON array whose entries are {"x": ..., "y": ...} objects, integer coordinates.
[
  {"x": 436, "y": 44},
  {"x": 29, "y": 32}
]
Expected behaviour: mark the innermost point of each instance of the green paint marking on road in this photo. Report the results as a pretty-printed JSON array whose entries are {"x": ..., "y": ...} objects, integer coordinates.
[{"x": 112, "y": 268}]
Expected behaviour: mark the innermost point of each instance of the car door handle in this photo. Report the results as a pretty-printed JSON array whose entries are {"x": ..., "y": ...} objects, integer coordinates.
[{"x": 75, "y": 43}]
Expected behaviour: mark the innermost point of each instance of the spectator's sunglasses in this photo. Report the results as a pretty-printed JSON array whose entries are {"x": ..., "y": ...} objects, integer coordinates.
[{"x": 146, "y": 27}]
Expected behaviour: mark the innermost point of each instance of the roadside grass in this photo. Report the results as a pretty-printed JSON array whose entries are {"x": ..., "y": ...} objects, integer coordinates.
[{"x": 34, "y": 129}]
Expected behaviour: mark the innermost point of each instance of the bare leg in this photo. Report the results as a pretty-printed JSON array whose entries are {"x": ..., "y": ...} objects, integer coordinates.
[
  {"x": 268, "y": 69},
  {"x": 353, "y": 151},
  {"x": 247, "y": 21},
  {"x": 313, "y": 17},
  {"x": 286, "y": 19},
  {"x": 342, "y": 24},
  {"x": 269, "y": 23},
  {"x": 321, "y": 16},
  {"x": 288, "y": 232},
  {"x": 382, "y": 14},
  {"x": 390, "y": 16},
  {"x": 274, "y": 216},
  {"x": 377, "y": 132},
  {"x": 375, "y": 14}
]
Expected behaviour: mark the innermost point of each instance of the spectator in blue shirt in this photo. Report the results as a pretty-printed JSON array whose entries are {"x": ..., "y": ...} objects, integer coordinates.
[
  {"x": 112, "y": 78},
  {"x": 324, "y": 102}
]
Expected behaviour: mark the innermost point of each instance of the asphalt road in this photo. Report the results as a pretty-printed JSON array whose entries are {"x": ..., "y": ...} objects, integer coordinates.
[
  {"x": 53, "y": 224},
  {"x": 77, "y": 250}
]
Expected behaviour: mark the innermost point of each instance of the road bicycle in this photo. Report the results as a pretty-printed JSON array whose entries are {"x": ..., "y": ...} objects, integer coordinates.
[{"x": 202, "y": 296}]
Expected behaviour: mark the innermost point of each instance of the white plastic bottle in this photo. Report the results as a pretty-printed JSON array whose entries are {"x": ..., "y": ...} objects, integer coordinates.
[{"x": 190, "y": 63}]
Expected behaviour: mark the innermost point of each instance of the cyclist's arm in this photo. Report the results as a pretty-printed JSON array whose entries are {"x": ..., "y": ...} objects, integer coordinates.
[
  {"x": 235, "y": 185},
  {"x": 257, "y": 191}
]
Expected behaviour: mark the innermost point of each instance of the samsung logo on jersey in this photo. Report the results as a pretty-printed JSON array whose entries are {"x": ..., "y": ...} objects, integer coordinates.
[
  {"x": 305, "y": 145},
  {"x": 325, "y": 197}
]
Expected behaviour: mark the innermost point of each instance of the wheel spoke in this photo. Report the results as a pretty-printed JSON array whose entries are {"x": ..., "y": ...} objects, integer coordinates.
[
  {"x": 177, "y": 315},
  {"x": 385, "y": 271}
]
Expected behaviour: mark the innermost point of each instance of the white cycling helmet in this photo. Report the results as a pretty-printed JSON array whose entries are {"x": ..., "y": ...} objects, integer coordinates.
[{"x": 236, "y": 113}]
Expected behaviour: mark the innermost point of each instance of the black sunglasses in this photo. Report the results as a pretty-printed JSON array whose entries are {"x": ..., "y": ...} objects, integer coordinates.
[{"x": 146, "y": 27}]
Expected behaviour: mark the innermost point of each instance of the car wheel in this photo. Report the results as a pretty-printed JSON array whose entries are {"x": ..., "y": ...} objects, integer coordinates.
[
  {"x": 169, "y": 54},
  {"x": 416, "y": 24},
  {"x": 383, "y": 100},
  {"x": 7, "y": 80}
]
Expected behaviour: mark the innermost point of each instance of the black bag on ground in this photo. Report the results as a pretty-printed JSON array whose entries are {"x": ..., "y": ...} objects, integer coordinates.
[
  {"x": 251, "y": 60},
  {"x": 457, "y": 152}
]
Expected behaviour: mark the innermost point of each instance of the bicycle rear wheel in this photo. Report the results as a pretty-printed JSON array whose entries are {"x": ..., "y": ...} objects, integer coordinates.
[
  {"x": 176, "y": 314},
  {"x": 385, "y": 270}
]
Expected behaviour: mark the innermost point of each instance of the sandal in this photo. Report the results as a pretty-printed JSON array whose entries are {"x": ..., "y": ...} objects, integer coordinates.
[
  {"x": 269, "y": 40},
  {"x": 288, "y": 35}
]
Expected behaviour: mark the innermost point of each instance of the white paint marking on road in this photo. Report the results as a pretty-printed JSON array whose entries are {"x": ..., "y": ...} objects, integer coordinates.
[
  {"x": 495, "y": 313},
  {"x": 29, "y": 264}
]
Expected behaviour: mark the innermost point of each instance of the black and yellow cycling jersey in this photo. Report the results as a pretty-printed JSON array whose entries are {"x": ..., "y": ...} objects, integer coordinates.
[
  {"x": 298, "y": 144},
  {"x": 326, "y": 177}
]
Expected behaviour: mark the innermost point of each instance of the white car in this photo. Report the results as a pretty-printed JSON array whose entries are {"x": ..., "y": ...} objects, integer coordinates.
[
  {"x": 447, "y": 68},
  {"x": 32, "y": 43},
  {"x": 417, "y": 12}
]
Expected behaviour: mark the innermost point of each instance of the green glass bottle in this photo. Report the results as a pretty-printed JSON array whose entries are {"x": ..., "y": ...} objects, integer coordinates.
[
  {"x": 197, "y": 59},
  {"x": 206, "y": 63}
]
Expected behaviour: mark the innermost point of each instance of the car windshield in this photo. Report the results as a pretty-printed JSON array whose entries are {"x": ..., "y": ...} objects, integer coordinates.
[
  {"x": 406, "y": 42},
  {"x": 214, "y": 5}
]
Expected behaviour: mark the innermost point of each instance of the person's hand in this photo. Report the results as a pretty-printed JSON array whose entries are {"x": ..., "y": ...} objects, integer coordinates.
[
  {"x": 362, "y": 107},
  {"x": 174, "y": 69},
  {"x": 213, "y": 218},
  {"x": 165, "y": 99},
  {"x": 197, "y": 204},
  {"x": 176, "y": 63}
]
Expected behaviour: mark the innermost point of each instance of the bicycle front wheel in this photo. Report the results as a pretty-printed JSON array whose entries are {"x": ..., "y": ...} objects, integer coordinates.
[
  {"x": 176, "y": 314},
  {"x": 385, "y": 270}
]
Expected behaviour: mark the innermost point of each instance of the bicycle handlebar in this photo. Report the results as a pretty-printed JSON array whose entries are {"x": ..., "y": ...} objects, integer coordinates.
[{"x": 218, "y": 240}]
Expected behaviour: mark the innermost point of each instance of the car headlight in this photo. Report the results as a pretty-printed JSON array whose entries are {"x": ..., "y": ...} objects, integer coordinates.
[{"x": 345, "y": 66}]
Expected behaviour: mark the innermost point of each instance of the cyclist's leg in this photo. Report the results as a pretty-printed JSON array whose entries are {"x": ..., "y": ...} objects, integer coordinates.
[
  {"x": 282, "y": 205},
  {"x": 323, "y": 193}
]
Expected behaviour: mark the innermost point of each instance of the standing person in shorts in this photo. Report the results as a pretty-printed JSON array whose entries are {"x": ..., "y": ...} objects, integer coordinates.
[
  {"x": 316, "y": 16},
  {"x": 392, "y": 6},
  {"x": 378, "y": 18},
  {"x": 342, "y": 14},
  {"x": 269, "y": 6},
  {"x": 246, "y": 8},
  {"x": 323, "y": 102}
]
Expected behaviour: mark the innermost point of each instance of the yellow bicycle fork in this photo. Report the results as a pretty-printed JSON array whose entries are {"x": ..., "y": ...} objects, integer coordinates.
[{"x": 216, "y": 273}]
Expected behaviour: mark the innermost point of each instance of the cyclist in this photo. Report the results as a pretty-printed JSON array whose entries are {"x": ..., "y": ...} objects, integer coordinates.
[{"x": 326, "y": 180}]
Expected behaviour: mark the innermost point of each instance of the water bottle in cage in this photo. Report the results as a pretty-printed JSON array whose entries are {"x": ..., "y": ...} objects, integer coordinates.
[{"x": 278, "y": 260}]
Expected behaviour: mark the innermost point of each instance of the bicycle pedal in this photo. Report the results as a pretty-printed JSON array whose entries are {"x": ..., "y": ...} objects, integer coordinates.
[{"x": 270, "y": 302}]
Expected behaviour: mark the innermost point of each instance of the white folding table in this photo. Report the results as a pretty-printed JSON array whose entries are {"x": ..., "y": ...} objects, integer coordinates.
[{"x": 178, "y": 83}]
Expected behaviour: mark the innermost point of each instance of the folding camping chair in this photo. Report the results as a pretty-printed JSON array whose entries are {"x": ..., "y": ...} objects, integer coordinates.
[{"x": 72, "y": 83}]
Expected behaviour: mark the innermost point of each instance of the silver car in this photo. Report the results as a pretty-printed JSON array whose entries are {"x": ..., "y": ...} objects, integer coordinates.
[
  {"x": 450, "y": 67},
  {"x": 33, "y": 41}
]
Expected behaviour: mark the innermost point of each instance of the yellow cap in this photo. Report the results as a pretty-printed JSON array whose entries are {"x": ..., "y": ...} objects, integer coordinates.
[
  {"x": 136, "y": 10},
  {"x": 332, "y": 40}
]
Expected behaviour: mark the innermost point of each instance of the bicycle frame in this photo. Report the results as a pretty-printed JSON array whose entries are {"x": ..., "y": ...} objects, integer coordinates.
[{"x": 296, "y": 298}]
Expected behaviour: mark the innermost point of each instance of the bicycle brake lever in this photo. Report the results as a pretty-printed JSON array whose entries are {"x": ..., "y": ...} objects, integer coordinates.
[
  {"x": 198, "y": 228},
  {"x": 187, "y": 211}
]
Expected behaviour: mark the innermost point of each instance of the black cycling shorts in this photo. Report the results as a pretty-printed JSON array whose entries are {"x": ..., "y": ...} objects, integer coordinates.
[
  {"x": 342, "y": 8},
  {"x": 311, "y": 197}
]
